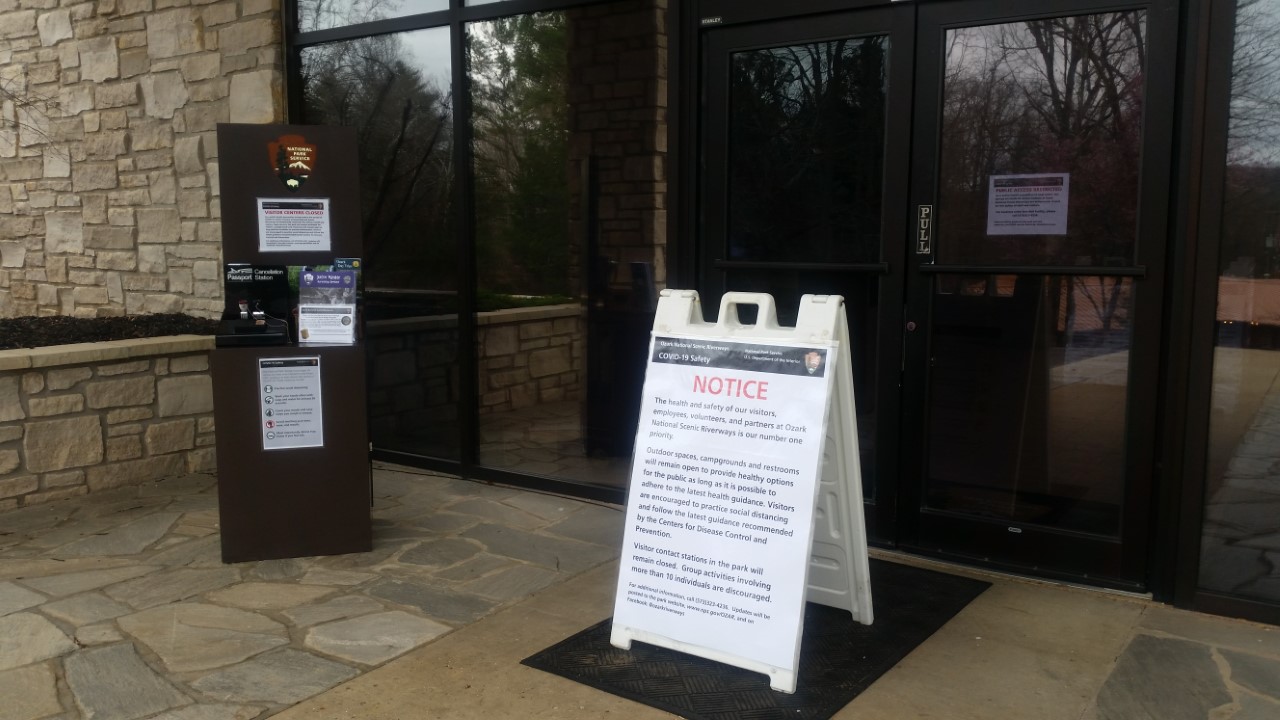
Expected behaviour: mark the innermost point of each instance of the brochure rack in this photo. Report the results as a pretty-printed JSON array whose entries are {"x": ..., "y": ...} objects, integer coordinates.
[{"x": 293, "y": 449}]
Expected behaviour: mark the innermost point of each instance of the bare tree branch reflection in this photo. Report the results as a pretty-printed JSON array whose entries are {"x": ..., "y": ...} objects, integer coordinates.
[
  {"x": 1057, "y": 95},
  {"x": 402, "y": 119},
  {"x": 1251, "y": 212}
]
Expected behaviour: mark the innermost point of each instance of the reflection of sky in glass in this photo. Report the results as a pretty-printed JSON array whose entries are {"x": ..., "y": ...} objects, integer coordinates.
[
  {"x": 1255, "y": 85},
  {"x": 429, "y": 50},
  {"x": 323, "y": 14}
]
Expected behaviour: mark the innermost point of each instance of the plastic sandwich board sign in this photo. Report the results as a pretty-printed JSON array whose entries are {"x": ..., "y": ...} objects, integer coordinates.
[{"x": 745, "y": 493}]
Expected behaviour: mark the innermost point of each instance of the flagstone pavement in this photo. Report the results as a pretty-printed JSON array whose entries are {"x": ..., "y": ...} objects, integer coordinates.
[{"x": 117, "y": 605}]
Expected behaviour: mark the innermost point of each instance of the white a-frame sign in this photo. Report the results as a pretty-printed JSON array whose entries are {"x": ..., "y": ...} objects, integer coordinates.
[{"x": 746, "y": 494}]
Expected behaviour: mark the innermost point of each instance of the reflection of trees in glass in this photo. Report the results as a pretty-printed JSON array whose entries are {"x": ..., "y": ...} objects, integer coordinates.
[
  {"x": 323, "y": 14},
  {"x": 1056, "y": 95},
  {"x": 1251, "y": 213},
  {"x": 402, "y": 123},
  {"x": 807, "y": 149},
  {"x": 518, "y": 72},
  {"x": 1062, "y": 94}
]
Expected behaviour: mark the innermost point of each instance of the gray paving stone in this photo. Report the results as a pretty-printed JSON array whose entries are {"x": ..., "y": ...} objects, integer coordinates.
[
  {"x": 269, "y": 596},
  {"x": 1248, "y": 519},
  {"x": 593, "y": 524},
  {"x": 350, "y": 561},
  {"x": 113, "y": 683},
  {"x": 34, "y": 518},
  {"x": 513, "y": 583},
  {"x": 129, "y": 539},
  {"x": 14, "y": 598},
  {"x": 181, "y": 485},
  {"x": 198, "y": 636},
  {"x": 340, "y": 607},
  {"x": 283, "y": 677},
  {"x": 1259, "y": 674},
  {"x": 1266, "y": 541},
  {"x": 393, "y": 483},
  {"x": 1228, "y": 495},
  {"x": 556, "y": 553},
  {"x": 477, "y": 567},
  {"x": 1255, "y": 708},
  {"x": 440, "y": 553},
  {"x": 120, "y": 503},
  {"x": 77, "y": 582},
  {"x": 1225, "y": 567},
  {"x": 374, "y": 639},
  {"x": 1210, "y": 630},
  {"x": 28, "y": 692},
  {"x": 444, "y": 523},
  {"x": 171, "y": 586},
  {"x": 195, "y": 531},
  {"x": 437, "y": 602},
  {"x": 99, "y": 634},
  {"x": 215, "y": 711},
  {"x": 30, "y": 638},
  {"x": 395, "y": 512},
  {"x": 497, "y": 512},
  {"x": 76, "y": 528},
  {"x": 1190, "y": 684},
  {"x": 279, "y": 569},
  {"x": 547, "y": 507},
  {"x": 205, "y": 552},
  {"x": 85, "y": 609},
  {"x": 325, "y": 576}
]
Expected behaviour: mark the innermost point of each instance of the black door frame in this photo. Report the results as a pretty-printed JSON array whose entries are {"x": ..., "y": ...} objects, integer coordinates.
[
  {"x": 896, "y": 504},
  {"x": 1123, "y": 563},
  {"x": 742, "y": 25}
]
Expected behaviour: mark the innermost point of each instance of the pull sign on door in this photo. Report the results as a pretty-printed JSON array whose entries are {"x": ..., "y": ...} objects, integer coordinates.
[{"x": 924, "y": 231}]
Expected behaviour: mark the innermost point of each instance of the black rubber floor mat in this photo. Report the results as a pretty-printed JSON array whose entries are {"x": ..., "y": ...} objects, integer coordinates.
[{"x": 838, "y": 657}]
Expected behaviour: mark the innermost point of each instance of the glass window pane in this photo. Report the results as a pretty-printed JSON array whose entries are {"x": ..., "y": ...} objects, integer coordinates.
[
  {"x": 806, "y": 151},
  {"x": 394, "y": 91},
  {"x": 1028, "y": 396},
  {"x": 1028, "y": 103},
  {"x": 1240, "y": 548},
  {"x": 861, "y": 293},
  {"x": 570, "y": 205},
  {"x": 324, "y": 14}
]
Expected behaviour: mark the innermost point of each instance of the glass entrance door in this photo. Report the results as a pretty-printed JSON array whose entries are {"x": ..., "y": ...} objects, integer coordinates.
[
  {"x": 804, "y": 191},
  {"x": 1033, "y": 290}
]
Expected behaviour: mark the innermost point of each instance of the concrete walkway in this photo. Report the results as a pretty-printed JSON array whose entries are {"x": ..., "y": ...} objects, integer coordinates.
[{"x": 117, "y": 606}]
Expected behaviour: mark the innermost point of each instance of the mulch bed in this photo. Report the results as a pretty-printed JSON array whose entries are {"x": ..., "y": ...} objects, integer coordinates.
[{"x": 31, "y": 332}]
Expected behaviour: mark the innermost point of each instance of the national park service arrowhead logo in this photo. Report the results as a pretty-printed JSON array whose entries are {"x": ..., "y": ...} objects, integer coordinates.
[{"x": 293, "y": 159}]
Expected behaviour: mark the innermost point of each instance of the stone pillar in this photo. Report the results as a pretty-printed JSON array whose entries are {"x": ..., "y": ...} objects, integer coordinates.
[{"x": 618, "y": 115}]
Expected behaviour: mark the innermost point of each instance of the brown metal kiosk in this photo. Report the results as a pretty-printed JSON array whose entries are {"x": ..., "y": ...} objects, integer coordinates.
[{"x": 278, "y": 500}]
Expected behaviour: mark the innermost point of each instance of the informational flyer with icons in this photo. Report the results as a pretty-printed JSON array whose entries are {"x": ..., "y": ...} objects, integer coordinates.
[
  {"x": 289, "y": 403},
  {"x": 327, "y": 307}
]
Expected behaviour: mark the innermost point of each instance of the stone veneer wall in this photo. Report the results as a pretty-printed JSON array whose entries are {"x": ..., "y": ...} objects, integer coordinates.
[
  {"x": 80, "y": 418},
  {"x": 618, "y": 115},
  {"x": 529, "y": 356},
  {"x": 108, "y": 157}
]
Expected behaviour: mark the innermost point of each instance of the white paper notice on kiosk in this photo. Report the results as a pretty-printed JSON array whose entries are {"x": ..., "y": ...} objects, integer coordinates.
[{"x": 720, "y": 515}]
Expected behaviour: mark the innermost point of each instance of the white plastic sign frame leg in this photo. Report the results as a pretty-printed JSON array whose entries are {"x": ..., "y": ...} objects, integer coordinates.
[{"x": 828, "y": 521}]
